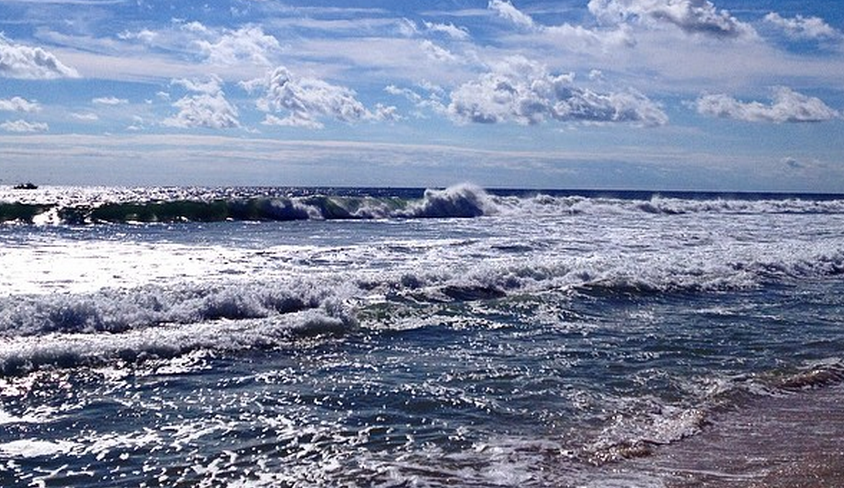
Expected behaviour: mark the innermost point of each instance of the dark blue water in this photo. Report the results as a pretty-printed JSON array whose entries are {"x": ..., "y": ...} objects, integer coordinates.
[{"x": 555, "y": 340}]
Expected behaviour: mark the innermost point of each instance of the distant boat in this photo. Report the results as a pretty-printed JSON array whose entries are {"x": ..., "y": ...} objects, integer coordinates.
[{"x": 25, "y": 186}]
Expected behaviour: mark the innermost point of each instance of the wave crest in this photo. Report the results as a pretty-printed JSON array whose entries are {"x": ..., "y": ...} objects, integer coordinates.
[
  {"x": 167, "y": 205},
  {"x": 459, "y": 201},
  {"x": 117, "y": 311},
  {"x": 464, "y": 201}
]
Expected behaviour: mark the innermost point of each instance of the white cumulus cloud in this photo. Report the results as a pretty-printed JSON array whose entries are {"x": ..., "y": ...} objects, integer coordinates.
[
  {"x": 22, "y": 126},
  {"x": 18, "y": 104},
  {"x": 194, "y": 26},
  {"x": 523, "y": 91},
  {"x": 506, "y": 10},
  {"x": 205, "y": 107},
  {"x": 801, "y": 27},
  {"x": 385, "y": 112},
  {"x": 31, "y": 63},
  {"x": 304, "y": 102},
  {"x": 567, "y": 36},
  {"x": 248, "y": 44},
  {"x": 692, "y": 16},
  {"x": 786, "y": 106}
]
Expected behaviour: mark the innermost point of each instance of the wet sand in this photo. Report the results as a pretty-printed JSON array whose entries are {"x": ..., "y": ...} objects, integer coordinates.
[{"x": 795, "y": 441}]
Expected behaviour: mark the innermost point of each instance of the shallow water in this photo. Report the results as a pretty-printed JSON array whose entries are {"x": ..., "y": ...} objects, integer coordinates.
[{"x": 553, "y": 340}]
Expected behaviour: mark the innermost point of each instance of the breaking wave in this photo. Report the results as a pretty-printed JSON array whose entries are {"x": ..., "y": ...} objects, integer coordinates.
[
  {"x": 90, "y": 206},
  {"x": 460, "y": 201},
  {"x": 20, "y": 355},
  {"x": 332, "y": 290},
  {"x": 118, "y": 310},
  {"x": 681, "y": 204},
  {"x": 70, "y": 330}
]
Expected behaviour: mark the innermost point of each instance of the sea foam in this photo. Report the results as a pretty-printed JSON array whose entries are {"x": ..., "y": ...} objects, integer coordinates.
[{"x": 26, "y": 353}]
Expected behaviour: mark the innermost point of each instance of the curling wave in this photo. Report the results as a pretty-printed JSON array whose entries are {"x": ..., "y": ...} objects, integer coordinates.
[
  {"x": 78, "y": 206},
  {"x": 460, "y": 201}
]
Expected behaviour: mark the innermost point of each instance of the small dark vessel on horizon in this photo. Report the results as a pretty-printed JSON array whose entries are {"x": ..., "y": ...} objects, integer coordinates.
[{"x": 25, "y": 186}]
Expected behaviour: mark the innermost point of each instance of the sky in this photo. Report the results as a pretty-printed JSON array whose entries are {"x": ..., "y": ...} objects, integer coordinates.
[{"x": 721, "y": 95}]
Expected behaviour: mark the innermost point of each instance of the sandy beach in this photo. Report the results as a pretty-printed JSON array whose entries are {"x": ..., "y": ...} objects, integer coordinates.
[{"x": 789, "y": 441}]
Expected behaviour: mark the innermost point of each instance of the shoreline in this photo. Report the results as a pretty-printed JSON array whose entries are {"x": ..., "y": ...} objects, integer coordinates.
[{"x": 788, "y": 441}]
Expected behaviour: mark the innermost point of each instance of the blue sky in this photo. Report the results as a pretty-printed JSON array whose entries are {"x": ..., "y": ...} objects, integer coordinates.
[{"x": 732, "y": 95}]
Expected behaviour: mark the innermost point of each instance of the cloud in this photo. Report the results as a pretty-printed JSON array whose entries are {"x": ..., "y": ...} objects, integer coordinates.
[
  {"x": 786, "y": 106},
  {"x": 438, "y": 53},
  {"x": 109, "y": 101},
  {"x": 31, "y": 63},
  {"x": 407, "y": 27},
  {"x": 146, "y": 36},
  {"x": 386, "y": 113},
  {"x": 22, "y": 126},
  {"x": 195, "y": 27},
  {"x": 18, "y": 104},
  {"x": 305, "y": 101},
  {"x": 508, "y": 11},
  {"x": 579, "y": 39},
  {"x": 138, "y": 124},
  {"x": 433, "y": 101},
  {"x": 451, "y": 30},
  {"x": 792, "y": 162},
  {"x": 404, "y": 92},
  {"x": 210, "y": 86},
  {"x": 576, "y": 38},
  {"x": 206, "y": 107},
  {"x": 801, "y": 27},
  {"x": 249, "y": 44},
  {"x": 85, "y": 117},
  {"x": 523, "y": 91},
  {"x": 692, "y": 16}
]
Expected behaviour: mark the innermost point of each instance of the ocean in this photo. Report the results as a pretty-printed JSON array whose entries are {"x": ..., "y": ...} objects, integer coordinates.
[{"x": 461, "y": 337}]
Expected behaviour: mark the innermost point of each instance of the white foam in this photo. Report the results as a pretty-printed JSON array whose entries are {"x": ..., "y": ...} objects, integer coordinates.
[
  {"x": 463, "y": 200},
  {"x": 20, "y": 354},
  {"x": 32, "y": 448},
  {"x": 75, "y": 283},
  {"x": 40, "y": 415},
  {"x": 657, "y": 205},
  {"x": 50, "y": 265}
]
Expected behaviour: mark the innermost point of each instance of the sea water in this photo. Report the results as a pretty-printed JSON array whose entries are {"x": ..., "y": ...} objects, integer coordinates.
[{"x": 376, "y": 337}]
